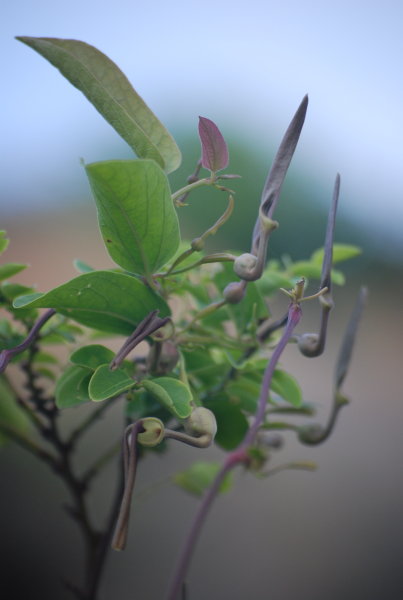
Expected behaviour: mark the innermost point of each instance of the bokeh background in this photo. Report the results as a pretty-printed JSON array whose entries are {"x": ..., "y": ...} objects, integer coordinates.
[{"x": 337, "y": 532}]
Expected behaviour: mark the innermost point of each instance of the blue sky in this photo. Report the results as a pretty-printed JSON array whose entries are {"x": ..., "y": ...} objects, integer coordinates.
[{"x": 246, "y": 65}]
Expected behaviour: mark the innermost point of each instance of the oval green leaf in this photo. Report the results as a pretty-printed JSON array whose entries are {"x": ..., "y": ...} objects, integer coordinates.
[
  {"x": 108, "y": 89},
  {"x": 136, "y": 214},
  {"x": 72, "y": 387},
  {"x": 171, "y": 393},
  {"x": 105, "y": 300},
  {"x": 92, "y": 356},
  {"x": 106, "y": 384}
]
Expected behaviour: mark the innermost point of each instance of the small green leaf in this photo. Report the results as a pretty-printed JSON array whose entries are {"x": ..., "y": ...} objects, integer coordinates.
[
  {"x": 92, "y": 356},
  {"x": 13, "y": 290},
  {"x": 10, "y": 413},
  {"x": 305, "y": 268},
  {"x": 10, "y": 269},
  {"x": 106, "y": 384},
  {"x": 172, "y": 393},
  {"x": 271, "y": 281},
  {"x": 200, "y": 476},
  {"x": 104, "y": 300},
  {"x": 82, "y": 266},
  {"x": 286, "y": 386},
  {"x": 4, "y": 241},
  {"x": 108, "y": 89},
  {"x": 341, "y": 252},
  {"x": 136, "y": 214},
  {"x": 72, "y": 387}
]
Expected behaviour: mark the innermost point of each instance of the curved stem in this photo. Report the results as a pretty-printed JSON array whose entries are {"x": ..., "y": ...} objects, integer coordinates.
[{"x": 7, "y": 354}]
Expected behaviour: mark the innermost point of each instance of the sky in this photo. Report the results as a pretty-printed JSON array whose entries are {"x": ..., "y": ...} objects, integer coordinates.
[{"x": 246, "y": 65}]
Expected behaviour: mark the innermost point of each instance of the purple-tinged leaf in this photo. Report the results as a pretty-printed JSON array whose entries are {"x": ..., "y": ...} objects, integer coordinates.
[{"x": 214, "y": 148}]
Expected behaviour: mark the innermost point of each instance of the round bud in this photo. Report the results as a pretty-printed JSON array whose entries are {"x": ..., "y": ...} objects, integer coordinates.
[
  {"x": 234, "y": 292},
  {"x": 153, "y": 433},
  {"x": 244, "y": 265},
  {"x": 201, "y": 422},
  {"x": 311, "y": 434},
  {"x": 308, "y": 344}
]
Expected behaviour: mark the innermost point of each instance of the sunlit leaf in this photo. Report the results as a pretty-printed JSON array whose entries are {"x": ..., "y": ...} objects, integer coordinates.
[
  {"x": 108, "y": 89},
  {"x": 136, "y": 214}
]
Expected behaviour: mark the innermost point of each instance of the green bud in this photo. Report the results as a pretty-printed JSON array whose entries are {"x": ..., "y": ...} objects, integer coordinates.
[{"x": 153, "y": 433}]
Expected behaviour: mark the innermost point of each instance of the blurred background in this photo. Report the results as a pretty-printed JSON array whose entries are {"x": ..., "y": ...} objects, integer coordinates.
[{"x": 337, "y": 532}]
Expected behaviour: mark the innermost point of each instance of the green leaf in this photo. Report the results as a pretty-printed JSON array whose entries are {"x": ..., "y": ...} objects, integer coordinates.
[
  {"x": 104, "y": 300},
  {"x": 4, "y": 241},
  {"x": 72, "y": 387},
  {"x": 106, "y": 384},
  {"x": 341, "y": 252},
  {"x": 272, "y": 281},
  {"x": 305, "y": 268},
  {"x": 92, "y": 356},
  {"x": 244, "y": 392},
  {"x": 231, "y": 422},
  {"x": 171, "y": 393},
  {"x": 136, "y": 214},
  {"x": 13, "y": 290},
  {"x": 286, "y": 386},
  {"x": 82, "y": 266},
  {"x": 10, "y": 269},
  {"x": 108, "y": 89},
  {"x": 200, "y": 476},
  {"x": 10, "y": 413}
]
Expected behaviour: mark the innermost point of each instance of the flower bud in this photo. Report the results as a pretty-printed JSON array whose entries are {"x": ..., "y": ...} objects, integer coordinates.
[
  {"x": 234, "y": 292},
  {"x": 308, "y": 343},
  {"x": 201, "y": 422},
  {"x": 244, "y": 265},
  {"x": 311, "y": 434},
  {"x": 153, "y": 433}
]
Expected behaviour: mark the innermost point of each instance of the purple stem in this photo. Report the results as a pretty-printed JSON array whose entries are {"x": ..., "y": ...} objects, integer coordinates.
[
  {"x": 236, "y": 457},
  {"x": 7, "y": 354}
]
